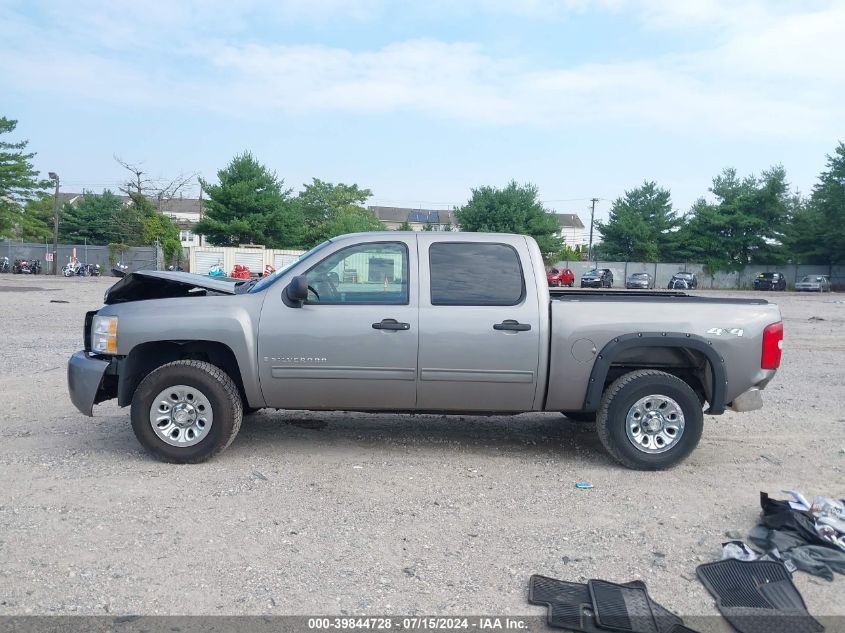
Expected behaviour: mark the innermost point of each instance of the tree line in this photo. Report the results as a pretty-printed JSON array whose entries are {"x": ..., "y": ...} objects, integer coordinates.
[{"x": 746, "y": 220}]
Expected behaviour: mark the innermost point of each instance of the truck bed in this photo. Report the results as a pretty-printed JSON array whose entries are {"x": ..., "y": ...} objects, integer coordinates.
[
  {"x": 587, "y": 324},
  {"x": 674, "y": 296}
]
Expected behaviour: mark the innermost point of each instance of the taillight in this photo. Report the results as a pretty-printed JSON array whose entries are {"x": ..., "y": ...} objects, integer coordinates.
[{"x": 772, "y": 346}]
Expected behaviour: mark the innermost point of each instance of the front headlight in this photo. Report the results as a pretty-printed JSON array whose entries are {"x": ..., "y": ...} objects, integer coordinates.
[{"x": 104, "y": 335}]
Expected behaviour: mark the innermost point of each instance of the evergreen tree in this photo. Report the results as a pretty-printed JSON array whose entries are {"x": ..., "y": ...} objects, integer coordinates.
[
  {"x": 640, "y": 227},
  {"x": 19, "y": 181},
  {"x": 250, "y": 206}
]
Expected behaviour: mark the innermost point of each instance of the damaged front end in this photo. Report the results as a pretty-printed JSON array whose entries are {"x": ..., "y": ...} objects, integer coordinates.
[
  {"x": 155, "y": 284},
  {"x": 93, "y": 374}
]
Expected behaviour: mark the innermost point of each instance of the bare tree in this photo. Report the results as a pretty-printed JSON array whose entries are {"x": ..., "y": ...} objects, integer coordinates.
[
  {"x": 139, "y": 184},
  {"x": 157, "y": 191}
]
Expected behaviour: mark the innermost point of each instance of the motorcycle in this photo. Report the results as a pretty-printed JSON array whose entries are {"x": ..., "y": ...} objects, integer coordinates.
[
  {"x": 175, "y": 268},
  {"x": 22, "y": 267},
  {"x": 70, "y": 269},
  {"x": 90, "y": 270},
  {"x": 269, "y": 270},
  {"x": 5, "y": 267},
  {"x": 119, "y": 269},
  {"x": 36, "y": 266},
  {"x": 216, "y": 271},
  {"x": 241, "y": 271}
]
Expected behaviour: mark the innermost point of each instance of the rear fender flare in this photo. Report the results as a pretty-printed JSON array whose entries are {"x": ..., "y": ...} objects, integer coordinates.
[{"x": 619, "y": 344}]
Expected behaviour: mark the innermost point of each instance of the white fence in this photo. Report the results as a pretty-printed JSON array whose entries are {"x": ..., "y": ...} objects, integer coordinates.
[{"x": 201, "y": 258}]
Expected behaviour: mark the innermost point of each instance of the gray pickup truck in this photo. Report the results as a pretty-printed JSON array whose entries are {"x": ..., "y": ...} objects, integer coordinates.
[{"x": 421, "y": 322}]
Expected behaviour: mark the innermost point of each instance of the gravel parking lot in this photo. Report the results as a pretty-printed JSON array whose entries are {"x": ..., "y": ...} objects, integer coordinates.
[{"x": 336, "y": 513}]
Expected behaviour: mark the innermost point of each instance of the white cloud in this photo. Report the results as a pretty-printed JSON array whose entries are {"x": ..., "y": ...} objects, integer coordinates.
[{"x": 773, "y": 70}]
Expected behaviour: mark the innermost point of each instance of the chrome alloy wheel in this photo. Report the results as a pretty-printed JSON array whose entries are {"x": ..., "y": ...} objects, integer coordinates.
[
  {"x": 181, "y": 415},
  {"x": 655, "y": 424}
]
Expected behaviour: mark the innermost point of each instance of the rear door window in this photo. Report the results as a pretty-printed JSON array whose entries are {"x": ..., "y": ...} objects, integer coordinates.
[{"x": 475, "y": 274}]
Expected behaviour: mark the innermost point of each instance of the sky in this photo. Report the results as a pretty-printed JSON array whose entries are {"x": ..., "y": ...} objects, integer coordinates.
[{"x": 422, "y": 101}]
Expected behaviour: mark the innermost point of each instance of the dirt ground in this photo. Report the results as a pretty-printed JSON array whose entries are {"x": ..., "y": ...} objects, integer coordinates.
[{"x": 336, "y": 513}]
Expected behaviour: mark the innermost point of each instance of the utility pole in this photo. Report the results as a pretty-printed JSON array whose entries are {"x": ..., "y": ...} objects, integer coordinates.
[
  {"x": 55, "y": 178},
  {"x": 200, "y": 237},
  {"x": 592, "y": 218}
]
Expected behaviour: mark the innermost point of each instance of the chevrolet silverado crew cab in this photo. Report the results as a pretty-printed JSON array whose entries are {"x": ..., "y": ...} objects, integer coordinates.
[{"x": 421, "y": 322}]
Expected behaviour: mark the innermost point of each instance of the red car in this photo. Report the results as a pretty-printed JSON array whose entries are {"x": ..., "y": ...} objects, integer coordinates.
[{"x": 563, "y": 277}]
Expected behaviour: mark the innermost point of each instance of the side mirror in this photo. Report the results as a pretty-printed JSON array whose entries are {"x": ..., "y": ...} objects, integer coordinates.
[{"x": 296, "y": 292}]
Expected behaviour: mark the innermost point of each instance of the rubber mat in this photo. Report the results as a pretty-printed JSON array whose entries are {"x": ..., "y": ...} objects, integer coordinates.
[
  {"x": 622, "y": 608},
  {"x": 757, "y": 597},
  {"x": 667, "y": 622},
  {"x": 570, "y": 606}
]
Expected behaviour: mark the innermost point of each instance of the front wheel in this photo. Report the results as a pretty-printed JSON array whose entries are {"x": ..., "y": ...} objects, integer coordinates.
[
  {"x": 186, "y": 411},
  {"x": 649, "y": 420}
]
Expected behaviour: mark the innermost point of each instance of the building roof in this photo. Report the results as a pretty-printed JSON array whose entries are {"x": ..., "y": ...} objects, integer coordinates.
[
  {"x": 569, "y": 221},
  {"x": 420, "y": 216}
]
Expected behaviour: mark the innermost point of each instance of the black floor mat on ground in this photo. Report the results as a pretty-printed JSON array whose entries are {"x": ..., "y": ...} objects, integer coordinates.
[
  {"x": 570, "y": 606},
  {"x": 757, "y": 597},
  {"x": 622, "y": 608}
]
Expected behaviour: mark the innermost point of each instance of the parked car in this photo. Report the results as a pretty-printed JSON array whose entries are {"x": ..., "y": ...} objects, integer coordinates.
[
  {"x": 683, "y": 281},
  {"x": 597, "y": 278},
  {"x": 813, "y": 283},
  {"x": 770, "y": 281},
  {"x": 428, "y": 329},
  {"x": 562, "y": 277},
  {"x": 639, "y": 280}
]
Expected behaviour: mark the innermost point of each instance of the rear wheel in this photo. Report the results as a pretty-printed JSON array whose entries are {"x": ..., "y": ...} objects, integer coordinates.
[
  {"x": 186, "y": 411},
  {"x": 649, "y": 420}
]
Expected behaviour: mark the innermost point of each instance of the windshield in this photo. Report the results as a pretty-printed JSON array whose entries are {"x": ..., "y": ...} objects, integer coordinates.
[
  {"x": 811, "y": 280},
  {"x": 639, "y": 276},
  {"x": 767, "y": 275},
  {"x": 684, "y": 275},
  {"x": 270, "y": 279},
  {"x": 592, "y": 273}
]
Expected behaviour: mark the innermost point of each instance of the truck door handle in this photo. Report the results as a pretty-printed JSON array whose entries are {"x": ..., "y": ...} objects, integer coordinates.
[
  {"x": 391, "y": 324},
  {"x": 510, "y": 324}
]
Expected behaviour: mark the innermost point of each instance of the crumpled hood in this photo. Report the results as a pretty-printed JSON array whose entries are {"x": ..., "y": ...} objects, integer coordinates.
[{"x": 158, "y": 284}]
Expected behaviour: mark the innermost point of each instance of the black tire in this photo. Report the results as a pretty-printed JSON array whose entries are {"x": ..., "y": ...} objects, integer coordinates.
[
  {"x": 620, "y": 397},
  {"x": 580, "y": 416},
  {"x": 215, "y": 384}
]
